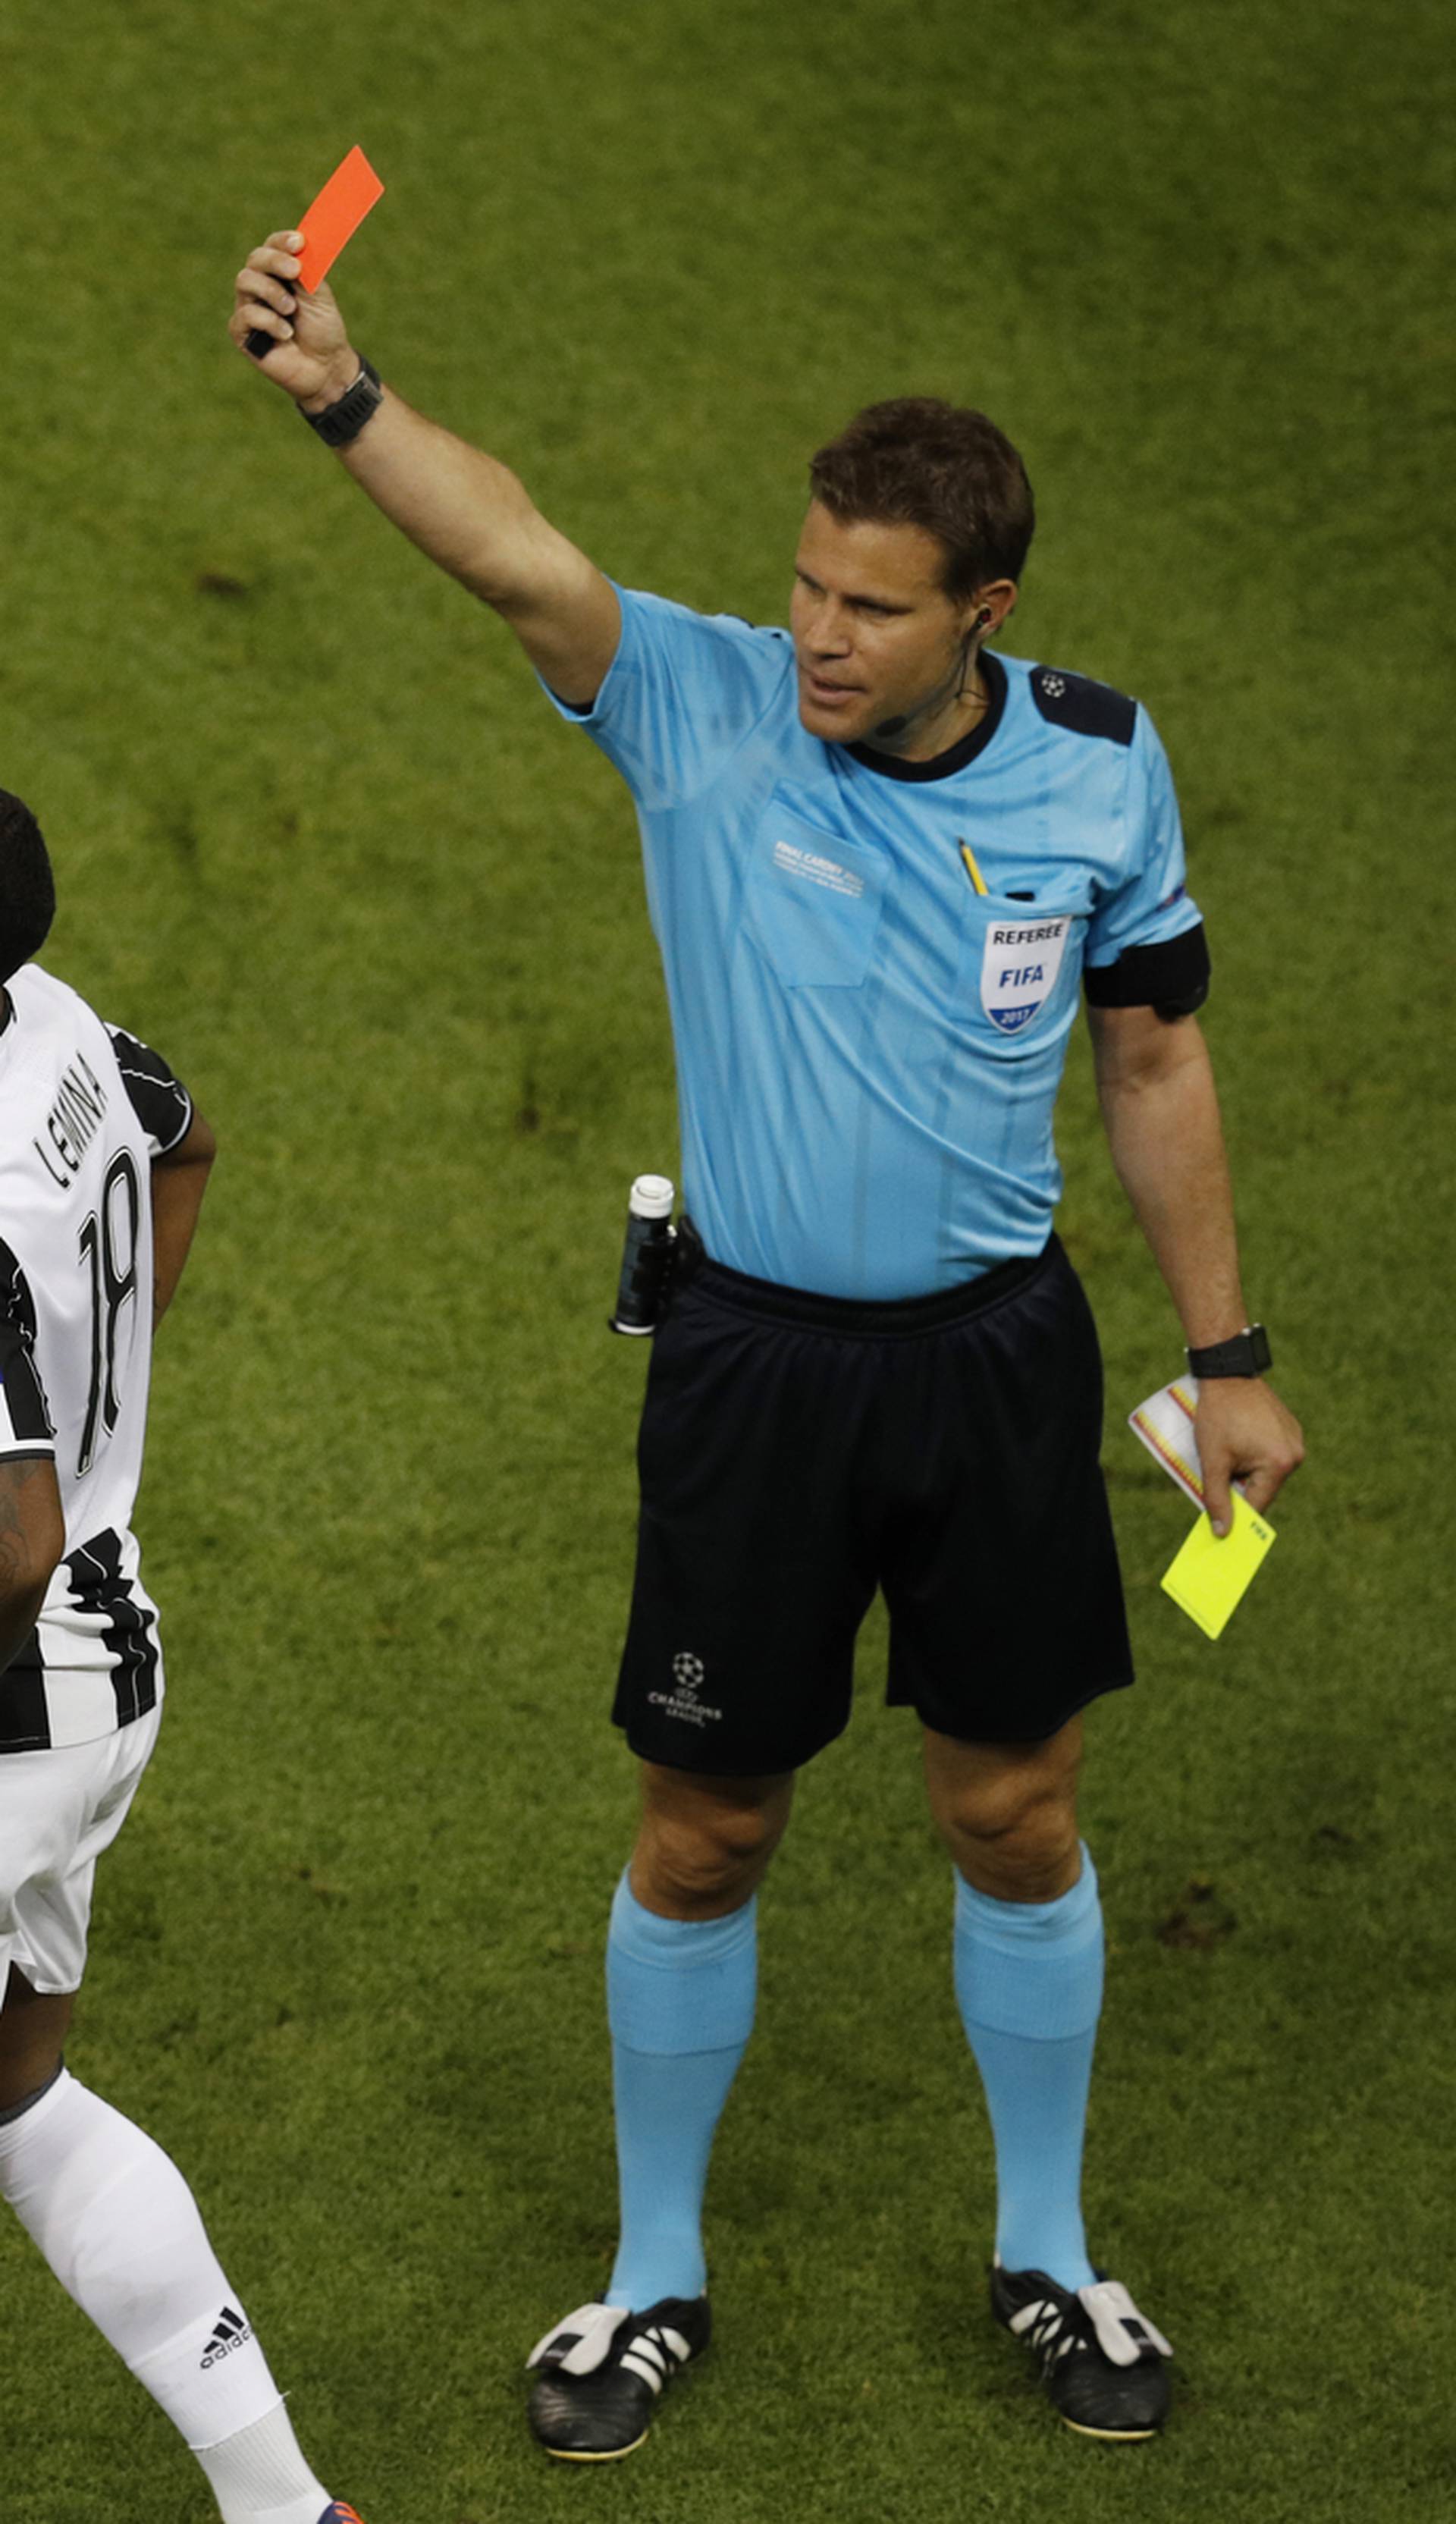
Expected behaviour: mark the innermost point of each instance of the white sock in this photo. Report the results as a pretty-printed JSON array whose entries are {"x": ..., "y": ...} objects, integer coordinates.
[
  {"x": 255, "y": 2475},
  {"x": 122, "y": 2231}
]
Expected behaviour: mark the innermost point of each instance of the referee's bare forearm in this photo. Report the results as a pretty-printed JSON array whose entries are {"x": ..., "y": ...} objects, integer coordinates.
[
  {"x": 1162, "y": 1114},
  {"x": 463, "y": 508},
  {"x": 475, "y": 518}
]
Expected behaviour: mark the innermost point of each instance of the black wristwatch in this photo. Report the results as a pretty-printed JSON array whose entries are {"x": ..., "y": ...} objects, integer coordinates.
[
  {"x": 342, "y": 420},
  {"x": 1246, "y": 1354}
]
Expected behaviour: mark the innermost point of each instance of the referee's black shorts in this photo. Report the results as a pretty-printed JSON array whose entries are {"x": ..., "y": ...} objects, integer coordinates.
[{"x": 799, "y": 1451}]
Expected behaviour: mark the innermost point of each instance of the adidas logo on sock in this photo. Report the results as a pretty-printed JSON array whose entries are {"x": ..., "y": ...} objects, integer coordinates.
[{"x": 231, "y": 2331}]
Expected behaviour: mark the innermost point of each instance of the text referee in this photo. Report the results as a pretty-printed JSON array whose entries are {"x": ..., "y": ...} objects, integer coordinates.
[{"x": 883, "y": 864}]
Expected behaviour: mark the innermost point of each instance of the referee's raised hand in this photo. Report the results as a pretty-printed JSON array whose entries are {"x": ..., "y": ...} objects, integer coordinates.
[{"x": 310, "y": 357}]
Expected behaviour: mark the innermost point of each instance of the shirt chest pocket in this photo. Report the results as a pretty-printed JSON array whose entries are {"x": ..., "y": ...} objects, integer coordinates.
[{"x": 813, "y": 901}]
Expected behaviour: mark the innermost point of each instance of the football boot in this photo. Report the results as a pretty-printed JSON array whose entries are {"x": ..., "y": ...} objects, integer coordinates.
[
  {"x": 599, "y": 2373},
  {"x": 1101, "y": 2359}
]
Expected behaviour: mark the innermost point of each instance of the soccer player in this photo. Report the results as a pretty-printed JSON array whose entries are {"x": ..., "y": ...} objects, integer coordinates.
[
  {"x": 883, "y": 863},
  {"x": 104, "y": 1160}
]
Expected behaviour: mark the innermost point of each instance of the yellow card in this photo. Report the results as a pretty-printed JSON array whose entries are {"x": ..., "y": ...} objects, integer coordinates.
[{"x": 1208, "y": 1576}]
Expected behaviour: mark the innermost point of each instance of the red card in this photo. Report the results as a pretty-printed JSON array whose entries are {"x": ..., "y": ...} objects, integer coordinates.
[{"x": 328, "y": 223}]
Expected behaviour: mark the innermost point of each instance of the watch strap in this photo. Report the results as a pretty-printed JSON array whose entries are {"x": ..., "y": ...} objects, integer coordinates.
[
  {"x": 1247, "y": 1353},
  {"x": 341, "y": 421}
]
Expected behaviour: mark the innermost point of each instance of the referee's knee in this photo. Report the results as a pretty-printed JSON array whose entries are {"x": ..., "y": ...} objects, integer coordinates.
[
  {"x": 703, "y": 1848},
  {"x": 1008, "y": 1815},
  {"x": 1035, "y": 1858}
]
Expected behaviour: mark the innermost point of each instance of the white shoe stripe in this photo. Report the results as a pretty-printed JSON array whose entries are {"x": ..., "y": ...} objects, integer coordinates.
[{"x": 640, "y": 2366}]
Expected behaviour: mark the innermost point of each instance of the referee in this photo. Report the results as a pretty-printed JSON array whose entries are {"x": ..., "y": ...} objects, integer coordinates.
[{"x": 883, "y": 864}]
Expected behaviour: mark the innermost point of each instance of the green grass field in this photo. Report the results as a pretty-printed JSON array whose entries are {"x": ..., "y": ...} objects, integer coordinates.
[{"x": 318, "y": 838}]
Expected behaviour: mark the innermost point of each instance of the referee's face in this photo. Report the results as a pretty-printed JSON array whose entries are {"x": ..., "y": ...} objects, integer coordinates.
[{"x": 877, "y": 640}]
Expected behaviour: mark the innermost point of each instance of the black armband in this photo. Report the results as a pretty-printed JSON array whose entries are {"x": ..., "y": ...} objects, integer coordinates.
[{"x": 1171, "y": 977}]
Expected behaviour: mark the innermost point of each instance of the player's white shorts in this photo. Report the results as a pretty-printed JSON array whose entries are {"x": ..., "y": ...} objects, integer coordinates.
[{"x": 58, "y": 1811}]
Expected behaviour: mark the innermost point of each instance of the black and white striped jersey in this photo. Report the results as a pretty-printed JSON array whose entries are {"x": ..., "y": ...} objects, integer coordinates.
[{"x": 84, "y": 1109}]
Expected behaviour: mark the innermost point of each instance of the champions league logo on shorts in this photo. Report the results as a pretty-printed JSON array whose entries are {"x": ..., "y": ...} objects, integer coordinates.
[
  {"x": 1020, "y": 965},
  {"x": 688, "y": 1675}
]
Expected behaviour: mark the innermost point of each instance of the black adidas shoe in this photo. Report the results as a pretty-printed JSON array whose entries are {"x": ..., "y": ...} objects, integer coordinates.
[
  {"x": 1101, "y": 2359},
  {"x": 602, "y": 2369}
]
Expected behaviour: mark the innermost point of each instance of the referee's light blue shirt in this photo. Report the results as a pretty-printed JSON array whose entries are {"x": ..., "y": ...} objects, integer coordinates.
[{"x": 868, "y": 1050}]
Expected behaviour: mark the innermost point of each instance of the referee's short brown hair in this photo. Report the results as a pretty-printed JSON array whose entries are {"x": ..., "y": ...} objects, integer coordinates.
[{"x": 920, "y": 461}]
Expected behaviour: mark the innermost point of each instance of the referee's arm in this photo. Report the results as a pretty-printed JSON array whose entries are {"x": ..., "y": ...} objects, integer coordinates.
[
  {"x": 1161, "y": 1112},
  {"x": 468, "y": 513}
]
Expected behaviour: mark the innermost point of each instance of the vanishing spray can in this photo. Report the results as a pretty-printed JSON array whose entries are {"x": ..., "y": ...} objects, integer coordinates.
[{"x": 646, "y": 1256}]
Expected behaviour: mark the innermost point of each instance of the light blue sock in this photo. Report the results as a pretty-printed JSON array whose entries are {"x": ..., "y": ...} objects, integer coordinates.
[
  {"x": 1029, "y": 1979},
  {"x": 680, "y": 1996}
]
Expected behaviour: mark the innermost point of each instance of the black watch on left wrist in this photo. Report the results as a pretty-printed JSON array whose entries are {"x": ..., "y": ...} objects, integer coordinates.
[{"x": 1246, "y": 1354}]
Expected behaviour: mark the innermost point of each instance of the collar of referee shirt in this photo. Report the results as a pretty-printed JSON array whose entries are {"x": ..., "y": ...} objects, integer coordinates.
[{"x": 894, "y": 766}]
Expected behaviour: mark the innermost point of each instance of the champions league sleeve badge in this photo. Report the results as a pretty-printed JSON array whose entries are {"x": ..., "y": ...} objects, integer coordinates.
[{"x": 1019, "y": 966}]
